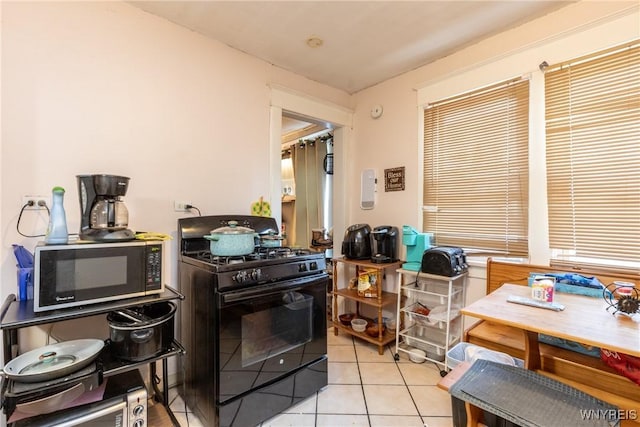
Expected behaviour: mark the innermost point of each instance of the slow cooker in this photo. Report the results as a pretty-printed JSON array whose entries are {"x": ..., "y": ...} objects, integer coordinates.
[{"x": 142, "y": 332}]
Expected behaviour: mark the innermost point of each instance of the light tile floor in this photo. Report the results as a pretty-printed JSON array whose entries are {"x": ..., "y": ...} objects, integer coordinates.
[{"x": 365, "y": 389}]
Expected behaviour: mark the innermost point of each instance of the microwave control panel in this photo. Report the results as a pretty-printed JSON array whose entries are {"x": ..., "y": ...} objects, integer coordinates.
[{"x": 154, "y": 266}]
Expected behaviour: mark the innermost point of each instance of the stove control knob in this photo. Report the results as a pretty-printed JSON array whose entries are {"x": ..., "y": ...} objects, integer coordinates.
[
  {"x": 138, "y": 423},
  {"x": 302, "y": 267},
  {"x": 240, "y": 277},
  {"x": 256, "y": 274},
  {"x": 138, "y": 410},
  {"x": 313, "y": 265}
]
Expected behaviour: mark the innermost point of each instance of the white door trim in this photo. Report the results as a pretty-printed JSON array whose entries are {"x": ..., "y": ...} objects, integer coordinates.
[{"x": 341, "y": 118}]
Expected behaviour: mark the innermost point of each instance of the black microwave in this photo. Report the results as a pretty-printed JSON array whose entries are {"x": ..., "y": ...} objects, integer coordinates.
[{"x": 87, "y": 273}]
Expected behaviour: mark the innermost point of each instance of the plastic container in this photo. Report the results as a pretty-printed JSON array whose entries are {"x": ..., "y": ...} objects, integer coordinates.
[
  {"x": 542, "y": 288},
  {"x": 417, "y": 356},
  {"x": 25, "y": 283},
  {"x": 57, "y": 231},
  {"x": 391, "y": 325},
  {"x": 359, "y": 325},
  {"x": 458, "y": 354},
  {"x": 433, "y": 352},
  {"x": 25, "y": 272}
]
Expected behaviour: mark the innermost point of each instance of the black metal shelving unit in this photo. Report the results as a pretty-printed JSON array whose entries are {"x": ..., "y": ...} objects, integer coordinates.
[{"x": 15, "y": 315}]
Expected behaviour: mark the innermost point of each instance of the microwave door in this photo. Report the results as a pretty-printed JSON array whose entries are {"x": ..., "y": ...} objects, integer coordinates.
[{"x": 84, "y": 275}]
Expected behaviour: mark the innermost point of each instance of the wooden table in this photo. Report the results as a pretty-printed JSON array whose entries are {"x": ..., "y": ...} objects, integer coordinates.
[{"x": 584, "y": 320}]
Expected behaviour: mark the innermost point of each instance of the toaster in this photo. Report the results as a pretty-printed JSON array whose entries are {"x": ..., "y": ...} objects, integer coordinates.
[{"x": 444, "y": 261}]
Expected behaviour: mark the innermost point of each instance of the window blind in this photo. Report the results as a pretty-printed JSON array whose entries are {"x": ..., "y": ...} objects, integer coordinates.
[
  {"x": 476, "y": 169},
  {"x": 593, "y": 157}
]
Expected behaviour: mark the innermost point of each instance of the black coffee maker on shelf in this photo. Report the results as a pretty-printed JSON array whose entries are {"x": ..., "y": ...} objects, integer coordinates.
[
  {"x": 103, "y": 215},
  {"x": 385, "y": 242}
]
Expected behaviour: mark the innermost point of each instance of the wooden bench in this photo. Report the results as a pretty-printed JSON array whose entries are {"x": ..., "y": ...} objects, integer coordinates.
[
  {"x": 586, "y": 373},
  {"x": 520, "y": 396}
]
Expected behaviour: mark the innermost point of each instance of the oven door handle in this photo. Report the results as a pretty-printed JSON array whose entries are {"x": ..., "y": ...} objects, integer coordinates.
[{"x": 246, "y": 294}]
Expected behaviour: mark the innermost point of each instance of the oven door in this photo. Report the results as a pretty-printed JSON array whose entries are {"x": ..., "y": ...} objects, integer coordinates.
[
  {"x": 107, "y": 413},
  {"x": 268, "y": 332}
]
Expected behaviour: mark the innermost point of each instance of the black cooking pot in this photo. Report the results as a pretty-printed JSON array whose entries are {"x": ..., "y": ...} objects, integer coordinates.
[{"x": 141, "y": 332}]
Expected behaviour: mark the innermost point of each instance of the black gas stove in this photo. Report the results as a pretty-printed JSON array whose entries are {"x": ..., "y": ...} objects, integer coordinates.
[
  {"x": 264, "y": 265},
  {"x": 254, "y": 327}
]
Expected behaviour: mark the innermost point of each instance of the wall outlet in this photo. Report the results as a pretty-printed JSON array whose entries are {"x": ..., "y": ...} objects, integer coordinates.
[
  {"x": 38, "y": 202},
  {"x": 180, "y": 206}
]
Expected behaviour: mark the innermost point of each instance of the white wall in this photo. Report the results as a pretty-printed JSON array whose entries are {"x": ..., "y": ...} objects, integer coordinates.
[
  {"x": 395, "y": 139},
  {"x": 102, "y": 87}
]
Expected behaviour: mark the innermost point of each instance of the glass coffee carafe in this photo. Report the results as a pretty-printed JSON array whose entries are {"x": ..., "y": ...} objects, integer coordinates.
[
  {"x": 104, "y": 215},
  {"x": 109, "y": 213}
]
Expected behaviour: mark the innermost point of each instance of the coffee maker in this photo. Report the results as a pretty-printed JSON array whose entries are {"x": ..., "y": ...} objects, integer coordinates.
[
  {"x": 416, "y": 244},
  {"x": 103, "y": 215},
  {"x": 385, "y": 241}
]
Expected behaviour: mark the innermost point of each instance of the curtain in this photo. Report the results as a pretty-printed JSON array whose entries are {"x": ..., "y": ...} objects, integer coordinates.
[{"x": 308, "y": 159}]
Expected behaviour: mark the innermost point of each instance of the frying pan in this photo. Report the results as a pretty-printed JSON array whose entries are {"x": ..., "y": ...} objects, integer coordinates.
[{"x": 53, "y": 361}]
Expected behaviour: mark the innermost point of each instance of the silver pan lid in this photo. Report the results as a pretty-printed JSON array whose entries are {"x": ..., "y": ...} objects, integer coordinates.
[{"x": 53, "y": 361}]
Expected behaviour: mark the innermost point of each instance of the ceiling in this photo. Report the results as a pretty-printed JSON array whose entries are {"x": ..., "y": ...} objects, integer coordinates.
[
  {"x": 294, "y": 129},
  {"x": 362, "y": 42}
]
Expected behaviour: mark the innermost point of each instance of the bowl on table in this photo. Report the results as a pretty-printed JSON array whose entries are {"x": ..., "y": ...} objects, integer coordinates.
[{"x": 359, "y": 325}]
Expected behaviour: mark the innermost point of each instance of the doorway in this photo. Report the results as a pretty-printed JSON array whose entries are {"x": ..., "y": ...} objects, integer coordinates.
[
  {"x": 307, "y": 183},
  {"x": 290, "y": 104}
]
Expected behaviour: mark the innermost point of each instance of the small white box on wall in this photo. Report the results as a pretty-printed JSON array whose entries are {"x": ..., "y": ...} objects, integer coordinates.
[{"x": 368, "y": 189}]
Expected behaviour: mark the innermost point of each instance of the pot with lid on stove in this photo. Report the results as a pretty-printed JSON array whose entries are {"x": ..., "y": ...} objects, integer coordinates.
[
  {"x": 357, "y": 242},
  {"x": 232, "y": 240},
  {"x": 270, "y": 240}
]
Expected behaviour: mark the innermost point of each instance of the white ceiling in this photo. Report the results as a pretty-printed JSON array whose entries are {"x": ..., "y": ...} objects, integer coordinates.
[{"x": 364, "y": 42}]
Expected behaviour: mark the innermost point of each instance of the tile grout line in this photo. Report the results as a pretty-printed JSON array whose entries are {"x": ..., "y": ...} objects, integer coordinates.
[
  {"x": 364, "y": 396},
  {"x": 409, "y": 390}
]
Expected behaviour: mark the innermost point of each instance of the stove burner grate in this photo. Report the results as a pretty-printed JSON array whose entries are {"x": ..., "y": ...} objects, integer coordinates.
[
  {"x": 221, "y": 260},
  {"x": 280, "y": 252},
  {"x": 261, "y": 253}
]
